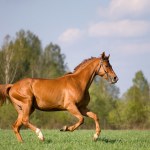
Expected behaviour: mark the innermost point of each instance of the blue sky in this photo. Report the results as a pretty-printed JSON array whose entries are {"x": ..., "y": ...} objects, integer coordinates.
[{"x": 85, "y": 28}]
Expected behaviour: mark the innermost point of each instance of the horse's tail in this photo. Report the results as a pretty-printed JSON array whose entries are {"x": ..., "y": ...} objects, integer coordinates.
[{"x": 4, "y": 92}]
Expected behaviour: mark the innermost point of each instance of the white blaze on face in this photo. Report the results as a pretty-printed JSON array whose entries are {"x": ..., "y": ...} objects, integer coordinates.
[{"x": 39, "y": 134}]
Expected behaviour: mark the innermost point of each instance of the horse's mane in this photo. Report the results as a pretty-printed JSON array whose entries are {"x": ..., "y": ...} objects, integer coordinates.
[
  {"x": 105, "y": 58},
  {"x": 83, "y": 63}
]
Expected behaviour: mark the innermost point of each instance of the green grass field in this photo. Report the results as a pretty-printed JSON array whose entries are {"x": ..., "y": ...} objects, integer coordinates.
[{"x": 77, "y": 140}]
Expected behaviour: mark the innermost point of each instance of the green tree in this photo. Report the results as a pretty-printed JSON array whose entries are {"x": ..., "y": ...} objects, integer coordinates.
[
  {"x": 136, "y": 100},
  {"x": 8, "y": 67},
  {"x": 28, "y": 50},
  {"x": 134, "y": 108},
  {"x": 141, "y": 83},
  {"x": 103, "y": 99},
  {"x": 19, "y": 57},
  {"x": 116, "y": 115},
  {"x": 53, "y": 64}
]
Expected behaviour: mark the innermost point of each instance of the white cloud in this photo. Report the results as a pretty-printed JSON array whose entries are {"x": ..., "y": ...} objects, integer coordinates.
[
  {"x": 119, "y": 22},
  {"x": 134, "y": 48},
  {"x": 70, "y": 35},
  {"x": 121, "y": 28},
  {"x": 124, "y": 8}
]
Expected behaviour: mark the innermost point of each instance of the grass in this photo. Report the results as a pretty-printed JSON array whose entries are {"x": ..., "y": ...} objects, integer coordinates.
[{"x": 77, "y": 140}]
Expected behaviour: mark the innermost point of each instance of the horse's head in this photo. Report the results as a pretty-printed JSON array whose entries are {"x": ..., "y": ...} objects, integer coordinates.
[{"x": 105, "y": 70}]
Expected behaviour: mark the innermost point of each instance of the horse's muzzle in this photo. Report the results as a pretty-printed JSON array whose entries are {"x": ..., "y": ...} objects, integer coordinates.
[{"x": 114, "y": 80}]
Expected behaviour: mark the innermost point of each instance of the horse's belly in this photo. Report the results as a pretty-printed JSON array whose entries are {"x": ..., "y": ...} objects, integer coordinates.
[
  {"x": 46, "y": 105},
  {"x": 48, "y": 99}
]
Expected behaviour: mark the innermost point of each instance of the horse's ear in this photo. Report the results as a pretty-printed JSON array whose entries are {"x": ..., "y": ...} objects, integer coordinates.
[
  {"x": 108, "y": 56},
  {"x": 103, "y": 55}
]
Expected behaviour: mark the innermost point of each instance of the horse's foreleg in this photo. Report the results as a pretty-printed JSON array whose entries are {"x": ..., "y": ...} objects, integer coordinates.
[
  {"x": 92, "y": 115},
  {"x": 75, "y": 112}
]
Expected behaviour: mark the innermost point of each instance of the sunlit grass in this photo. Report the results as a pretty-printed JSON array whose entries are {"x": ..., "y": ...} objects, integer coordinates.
[{"x": 80, "y": 139}]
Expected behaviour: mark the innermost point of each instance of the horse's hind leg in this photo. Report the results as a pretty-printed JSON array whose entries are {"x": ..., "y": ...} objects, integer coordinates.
[
  {"x": 27, "y": 110},
  {"x": 18, "y": 123},
  {"x": 24, "y": 109}
]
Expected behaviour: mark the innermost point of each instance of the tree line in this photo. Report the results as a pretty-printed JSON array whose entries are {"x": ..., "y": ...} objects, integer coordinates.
[{"x": 24, "y": 56}]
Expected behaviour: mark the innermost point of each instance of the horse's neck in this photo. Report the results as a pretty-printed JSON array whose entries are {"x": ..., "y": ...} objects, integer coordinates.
[{"x": 86, "y": 75}]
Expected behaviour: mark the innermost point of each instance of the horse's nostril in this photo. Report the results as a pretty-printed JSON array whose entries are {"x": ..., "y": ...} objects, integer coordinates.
[{"x": 116, "y": 78}]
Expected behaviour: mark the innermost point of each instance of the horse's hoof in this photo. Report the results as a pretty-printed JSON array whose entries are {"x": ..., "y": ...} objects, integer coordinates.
[
  {"x": 42, "y": 139},
  {"x": 39, "y": 134},
  {"x": 64, "y": 128},
  {"x": 95, "y": 138},
  {"x": 20, "y": 141}
]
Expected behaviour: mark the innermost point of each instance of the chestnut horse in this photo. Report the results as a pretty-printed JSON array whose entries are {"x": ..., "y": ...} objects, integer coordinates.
[{"x": 69, "y": 92}]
